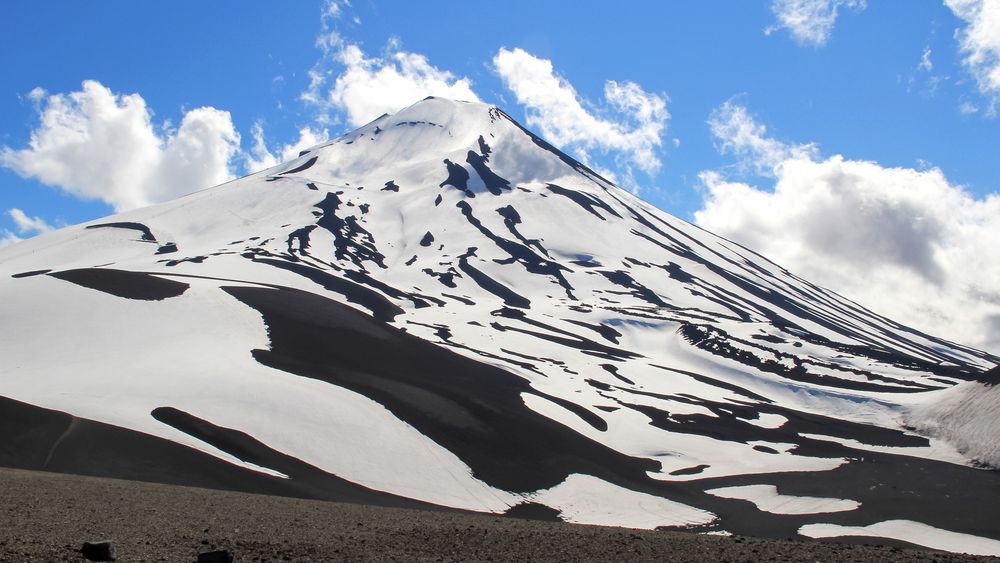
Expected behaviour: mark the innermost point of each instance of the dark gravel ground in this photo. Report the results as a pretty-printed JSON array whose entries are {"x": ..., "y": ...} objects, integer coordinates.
[{"x": 48, "y": 516}]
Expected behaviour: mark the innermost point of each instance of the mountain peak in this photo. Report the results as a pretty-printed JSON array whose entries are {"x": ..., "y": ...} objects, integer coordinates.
[
  {"x": 441, "y": 307},
  {"x": 457, "y": 117},
  {"x": 436, "y": 131}
]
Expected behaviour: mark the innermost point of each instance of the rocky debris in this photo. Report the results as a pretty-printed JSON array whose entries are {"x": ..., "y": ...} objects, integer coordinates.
[{"x": 44, "y": 514}]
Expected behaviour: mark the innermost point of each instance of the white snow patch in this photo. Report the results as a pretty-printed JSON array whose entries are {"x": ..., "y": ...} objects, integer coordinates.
[
  {"x": 261, "y": 469},
  {"x": 912, "y": 532},
  {"x": 768, "y": 420},
  {"x": 766, "y": 498},
  {"x": 584, "y": 499}
]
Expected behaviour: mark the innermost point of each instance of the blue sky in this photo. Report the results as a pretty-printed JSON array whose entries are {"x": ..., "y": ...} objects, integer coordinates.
[{"x": 749, "y": 106}]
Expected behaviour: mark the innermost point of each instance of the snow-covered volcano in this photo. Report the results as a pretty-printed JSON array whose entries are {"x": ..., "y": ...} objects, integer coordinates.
[{"x": 442, "y": 309}]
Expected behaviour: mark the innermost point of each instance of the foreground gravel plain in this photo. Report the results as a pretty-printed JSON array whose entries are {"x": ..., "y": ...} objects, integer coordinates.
[{"x": 48, "y": 516}]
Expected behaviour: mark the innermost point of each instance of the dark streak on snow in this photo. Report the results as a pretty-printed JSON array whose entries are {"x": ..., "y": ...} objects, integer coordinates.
[
  {"x": 298, "y": 240},
  {"x": 351, "y": 240},
  {"x": 473, "y": 409},
  {"x": 518, "y": 252},
  {"x": 122, "y": 283},
  {"x": 717, "y": 342},
  {"x": 30, "y": 274},
  {"x": 147, "y": 235},
  {"x": 511, "y": 219},
  {"x": 613, "y": 370},
  {"x": 380, "y": 307},
  {"x": 192, "y": 259},
  {"x": 509, "y": 296},
  {"x": 446, "y": 278},
  {"x": 560, "y": 336},
  {"x": 459, "y": 299},
  {"x": 458, "y": 178},
  {"x": 606, "y": 332},
  {"x": 304, "y": 166},
  {"x": 622, "y": 279},
  {"x": 584, "y": 200},
  {"x": 494, "y": 183},
  {"x": 484, "y": 148}
]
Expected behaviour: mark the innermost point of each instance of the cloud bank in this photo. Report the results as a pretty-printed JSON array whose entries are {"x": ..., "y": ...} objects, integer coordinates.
[{"x": 904, "y": 242}]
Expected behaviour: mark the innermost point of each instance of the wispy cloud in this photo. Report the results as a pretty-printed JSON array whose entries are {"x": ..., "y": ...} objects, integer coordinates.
[
  {"x": 810, "y": 22},
  {"x": 736, "y": 132},
  {"x": 25, "y": 225},
  {"x": 630, "y": 124},
  {"x": 923, "y": 79},
  {"x": 979, "y": 42},
  {"x": 8, "y": 238},
  {"x": 926, "y": 64},
  {"x": 260, "y": 157}
]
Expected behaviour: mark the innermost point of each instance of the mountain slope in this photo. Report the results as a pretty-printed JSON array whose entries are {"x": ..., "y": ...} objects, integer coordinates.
[{"x": 442, "y": 307}]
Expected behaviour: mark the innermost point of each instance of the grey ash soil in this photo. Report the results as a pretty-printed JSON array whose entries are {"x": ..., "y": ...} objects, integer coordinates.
[{"x": 47, "y": 517}]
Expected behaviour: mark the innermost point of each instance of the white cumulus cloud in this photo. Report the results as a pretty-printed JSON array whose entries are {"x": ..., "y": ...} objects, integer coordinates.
[
  {"x": 979, "y": 42},
  {"x": 366, "y": 87},
  {"x": 632, "y": 124},
  {"x": 904, "y": 242},
  {"x": 809, "y": 21},
  {"x": 95, "y": 144}
]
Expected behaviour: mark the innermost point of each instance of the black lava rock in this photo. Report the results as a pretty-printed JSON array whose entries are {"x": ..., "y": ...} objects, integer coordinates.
[
  {"x": 220, "y": 556},
  {"x": 98, "y": 551}
]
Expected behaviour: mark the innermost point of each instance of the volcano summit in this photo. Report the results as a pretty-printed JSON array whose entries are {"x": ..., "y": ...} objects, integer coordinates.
[{"x": 440, "y": 309}]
